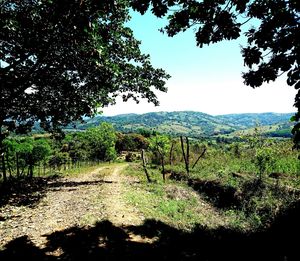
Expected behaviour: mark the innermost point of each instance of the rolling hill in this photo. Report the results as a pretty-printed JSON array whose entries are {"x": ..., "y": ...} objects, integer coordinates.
[{"x": 195, "y": 124}]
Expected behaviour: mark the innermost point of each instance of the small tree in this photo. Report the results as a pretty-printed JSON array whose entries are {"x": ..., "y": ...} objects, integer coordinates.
[
  {"x": 264, "y": 161},
  {"x": 30, "y": 152},
  {"x": 131, "y": 142},
  {"x": 76, "y": 145},
  {"x": 101, "y": 142},
  {"x": 263, "y": 154},
  {"x": 145, "y": 165},
  {"x": 236, "y": 149},
  {"x": 160, "y": 144},
  {"x": 59, "y": 159}
]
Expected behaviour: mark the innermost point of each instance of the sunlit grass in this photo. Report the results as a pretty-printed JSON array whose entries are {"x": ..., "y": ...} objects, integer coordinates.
[
  {"x": 258, "y": 201},
  {"x": 171, "y": 202}
]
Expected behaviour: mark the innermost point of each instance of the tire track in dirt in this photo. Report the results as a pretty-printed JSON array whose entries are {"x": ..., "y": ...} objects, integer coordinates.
[{"x": 117, "y": 211}]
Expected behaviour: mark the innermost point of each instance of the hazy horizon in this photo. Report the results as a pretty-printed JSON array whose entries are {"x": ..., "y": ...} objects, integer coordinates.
[{"x": 137, "y": 113}]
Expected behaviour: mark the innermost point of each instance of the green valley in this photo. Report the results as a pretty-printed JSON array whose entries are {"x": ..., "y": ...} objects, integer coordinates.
[{"x": 197, "y": 124}]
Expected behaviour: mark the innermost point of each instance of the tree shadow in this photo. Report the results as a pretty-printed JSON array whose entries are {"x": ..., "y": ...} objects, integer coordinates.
[
  {"x": 24, "y": 191},
  {"x": 22, "y": 249},
  {"x": 220, "y": 195},
  {"x": 215, "y": 192},
  {"x": 224, "y": 196},
  {"x": 155, "y": 240},
  {"x": 28, "y": 192},
  {"x": 71, "y": 185}
]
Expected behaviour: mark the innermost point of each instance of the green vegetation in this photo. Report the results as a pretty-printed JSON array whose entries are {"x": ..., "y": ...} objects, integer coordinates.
[
  {"x": 101, "y": 142},
  {"x": 173, "y": 202},
  {"x": 197, "y": 124},
  {"x": 241, "y": 185},
  {"x": 26, "y": 156}
]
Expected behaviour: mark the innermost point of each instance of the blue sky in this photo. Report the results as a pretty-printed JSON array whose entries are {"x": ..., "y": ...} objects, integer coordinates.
[{"x": 204, "y": 79}]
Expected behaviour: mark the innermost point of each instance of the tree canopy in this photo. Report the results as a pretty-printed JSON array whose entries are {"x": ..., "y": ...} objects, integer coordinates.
[
  {"x": 101, "y": 141},
  {"x": 61, "y": 60},
  {"x": 273, "y": 45}
]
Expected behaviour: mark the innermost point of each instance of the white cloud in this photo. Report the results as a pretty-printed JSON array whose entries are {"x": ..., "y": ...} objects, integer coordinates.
[{"x": 220, "y": 95}]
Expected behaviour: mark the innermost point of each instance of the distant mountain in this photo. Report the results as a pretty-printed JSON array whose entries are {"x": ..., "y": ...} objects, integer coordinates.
[
  {"x": 192, "y": 123},
  {"x": 252, "y": 119}
]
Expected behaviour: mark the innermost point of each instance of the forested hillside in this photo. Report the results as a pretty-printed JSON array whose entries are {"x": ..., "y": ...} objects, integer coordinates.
[{"x": 196, "y": 123}]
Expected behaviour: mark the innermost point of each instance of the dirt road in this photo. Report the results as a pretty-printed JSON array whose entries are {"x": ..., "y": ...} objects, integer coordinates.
[{"x": 68, "y": 202}]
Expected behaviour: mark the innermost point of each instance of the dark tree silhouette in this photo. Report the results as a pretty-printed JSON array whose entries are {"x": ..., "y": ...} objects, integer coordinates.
[
  {"x": 61, "y": 60},
  {"x": 273, "y": 46}
]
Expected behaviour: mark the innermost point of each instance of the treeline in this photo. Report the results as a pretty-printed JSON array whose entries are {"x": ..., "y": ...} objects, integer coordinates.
[
  {"x": 40, "y": 154},
  {"x": 24, "y": 154}
]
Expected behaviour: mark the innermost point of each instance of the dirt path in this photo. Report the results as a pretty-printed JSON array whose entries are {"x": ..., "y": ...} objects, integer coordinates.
[
  {"x": 69, "y": 202},
  {"x": 115, "y": 208}
]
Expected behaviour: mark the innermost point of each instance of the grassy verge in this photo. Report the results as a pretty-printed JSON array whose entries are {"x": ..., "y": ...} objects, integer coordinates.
[
  {"x": 232, "y": 202},
  {"x": 177, "y": 204}
]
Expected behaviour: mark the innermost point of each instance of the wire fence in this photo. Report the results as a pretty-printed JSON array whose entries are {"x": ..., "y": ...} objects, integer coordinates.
[{"x": 45, "y": 168}]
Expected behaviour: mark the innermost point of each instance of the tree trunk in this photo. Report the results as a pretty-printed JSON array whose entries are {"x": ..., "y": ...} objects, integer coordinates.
[
  {"x": 163, "y": 167},
  {"x": 30, "y": 170},
  {"x": 185, "y": 155},
  {"x": 145, "y": 166},
  {"x": 3, "y": 167},
  {"x": 17, "y": 164},
  {"x": 200, "y": 156},
  {"x": 39, "y": 170},
  {"x": 171, "y": 154},
  {"x": 182, "y": 148},
  {"x": 8, "y": 163},
  {"x": 2, "y": 136},
  {"x": 22, "y": 172},
  {"x": 162, "y": 162}
]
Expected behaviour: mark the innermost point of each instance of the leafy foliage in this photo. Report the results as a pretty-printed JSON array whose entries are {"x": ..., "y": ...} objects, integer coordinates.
[
  {"x": 101, "y": 142},
  {"x": 131, "y": 142},
  {"x": 59, "y": 159},
  {"x": 44, "y": 151},
  {"x": 22, "y": 152},
  {"x": 61, "y": 60},
  {"x": 160, "y": 146},
  {"x": 264, "y": 160}
]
